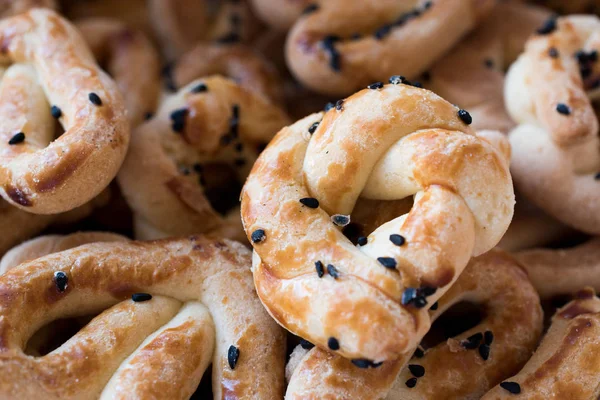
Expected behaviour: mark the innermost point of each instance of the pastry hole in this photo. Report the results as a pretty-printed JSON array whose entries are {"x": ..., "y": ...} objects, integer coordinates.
[
  {"x": 54, "y": 334},
  {"x": 456, "y": 320},
  {"x": 222, "y": 186}
]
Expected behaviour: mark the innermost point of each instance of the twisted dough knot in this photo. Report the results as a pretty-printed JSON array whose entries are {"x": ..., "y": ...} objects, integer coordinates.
[
  {"x": 555, "y": 148},
  {"x": 122, "y": 50},
  {"x": 385, "y": 143},
  {"x": 340, "y": 46},
  {"x": 203, "y": 309},
  {"x": 206, "y": 135},
  {"x": 476, "y": 359},
  {"x": 53, "y": 67},
  {"x": 565, "y": 365}
]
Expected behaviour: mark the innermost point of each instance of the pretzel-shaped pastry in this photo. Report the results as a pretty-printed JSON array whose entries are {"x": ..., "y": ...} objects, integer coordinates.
[
  {"x": 181, "y": 24},
  {"x": 156, "y": 345},
  {"x": 383, "y": 143},
  {"x": 472, "y": 74},
  {"x": 565, "y": 365},
  {"x": 205, "y": 136},
  {"x": 52, "y": 60},
  {"x": 237, "y": 62},
  {"x": 339, "y": 46},
  {"x": 555, "y": 148},
  {"x": 121, "y": 48}
]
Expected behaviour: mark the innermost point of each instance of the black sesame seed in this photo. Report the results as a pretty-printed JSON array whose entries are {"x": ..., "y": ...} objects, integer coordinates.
[
  {"x": 340, "y": 220},
  {"x": 417, "y": 84},
  {"x": 306, "y": 345},
  {"x": 95, "y": 99},
  {"x": 185, "y": 171},
  {"x": 398, "y": 240},
  {"x": 310, "y": 9},
  {"x": 581, "y": 56},
  {"x": 472, "y": 341},
  {"x": 416, "y": 369},
  {"x": 234, "y": 121},
  {"x": 419, "y": 353},
  {"x": 331, "y": 270},
  {"x": 178, "y": 119},
  {"x": 333, "y": 343},
  {"x": 397, "y": 79},
  {"x": 239, "y": 147},
  {"x": 233, "y": 354},
  {"x": 226, "y": 139},
  {"x": 427, "y": 5},
  {"x": 426, "y": 291},
  {"x": 408, "y": 296},
  {"x": 197, "y": 167},
  {"x": 488, "y": 62},
  {"x": 61, "y": 280},
  {"x": 553, "y": 52},
  {"x": 382, "y": 32},
  {"x": 258, "y": 236},
  {"x": 355, "y": 36},
  {"x": 199, "y": 88},
  {"x": 593, "y": 56},
  {"x": 411, "y": 383},
  {"x": 339, "y": 105},
  {"x": 313, "y": 127},
  {"x": 139, "y": 297},
  {"x": 375, "y": 86},
  {"x": 548, "y": 27},
  {"x": 511, "y": 387},
  {"x": 328, "y": 106},
  {"x": 362, "y": 240},
  {"x": 484, "y": 351},
  {"x": 465, "y": 116},
  {"x": 488, "y": 337},
  {"x": 167, "y": 73},
  {"x": 55, "y": 112},
  {"x": 320, "y": 269},
  {"x": 310, "y": 202},
  {"x": 334, "y": 56},
  {"x": 434, "y": 306},
  {"x": 387, "y": 262},
  {"x": 419, "y": 302},
  {"x": 17, "y": 138},
  {"x": 563, "y": 109},
  {"x": 361, "y": 362}
]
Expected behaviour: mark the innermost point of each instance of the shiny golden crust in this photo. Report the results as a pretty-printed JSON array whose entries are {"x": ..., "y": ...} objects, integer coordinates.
[
  {"x": 52, "y": 60},
  {"x": 181, "y": 24},
  {"x": 191, "y": 270},
  {"x": 512, "y": 313},
  {"x": 237, "y": 62},
  {"x": 567, "y": 363},
  {"x": 48, "y": 244},
  {"x": 382, "y": 144},
  {"x": 556, "y": 272},
  {"x": 130, "y": 58},
  {"x": 168, "y": 177},
  {"x": 323, "y": 55},
  {"x": 281, "y": 14},
  {"x": 555, "y": 147},
  {"x": 472, "y": 74}
]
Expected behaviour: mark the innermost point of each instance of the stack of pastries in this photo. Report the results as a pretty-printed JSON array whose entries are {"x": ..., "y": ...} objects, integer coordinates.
[{"x": 299, "y": 199}]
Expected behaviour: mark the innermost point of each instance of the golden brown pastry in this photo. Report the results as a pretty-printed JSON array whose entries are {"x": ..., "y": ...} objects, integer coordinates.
[
  {"x": 387, "y": 142},
  {"x": 462, "y": 367},
  {"x": 54, "y": 77},
  {"x": 556, "y": 160},
  {"x": 566, "y": 365},
  {"x": 341, "y": 46},
  {"x": 185, "y": 166},
  {"x": 130, "y": 58},
  {"x": 191, "y": 303}
]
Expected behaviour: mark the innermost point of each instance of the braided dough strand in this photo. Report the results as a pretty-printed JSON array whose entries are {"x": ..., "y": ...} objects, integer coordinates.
[
  {"x": 384, "y": 144},
  {"x": 36, "y": 175}
]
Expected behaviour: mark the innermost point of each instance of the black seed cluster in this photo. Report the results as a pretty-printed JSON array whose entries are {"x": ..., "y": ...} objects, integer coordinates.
[
  {"x": 258, "y": 236},
  {"x": 17, "y": 138},
  {"x": 233, "y": 354},
  {"x": 178, "y": 118},
  {"x": 140, "y": 297},
  {"x": 480, "y": 341},
  {"x": 417, "y": 297},
  {"x": 511, "y": 387},
  {"x": 61, "y": 280}
]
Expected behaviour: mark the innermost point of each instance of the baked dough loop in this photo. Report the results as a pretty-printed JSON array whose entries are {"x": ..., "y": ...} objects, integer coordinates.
[
  {"x": 386, "y": 143},
  {"x": 54, "y": 74},
  {"x": 185, "y": 166},
  {"x": 462, "y": 367},
  {"x": 343, "y": 46},
  {"x": 556, "y": 160},
  {"x": 203, "y": 309},
  {"x": 471, "y": 75},
  {"x": 130, "y": 58},
  {"x": 180, "y": 25},
  {"x": 566, "y": 364}
]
